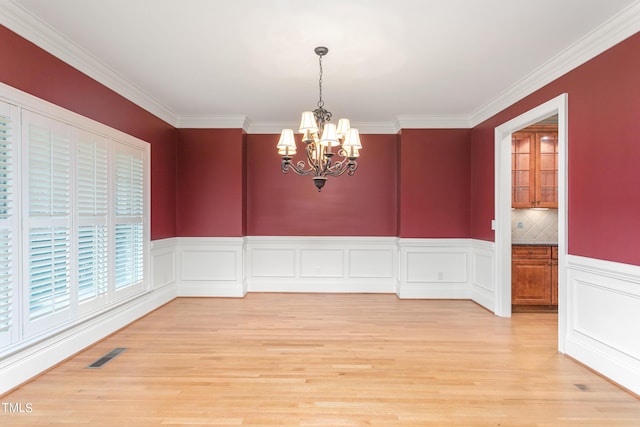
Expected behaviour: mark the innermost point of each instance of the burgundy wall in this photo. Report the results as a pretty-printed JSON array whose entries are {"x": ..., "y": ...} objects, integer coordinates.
[
  {"x": 364, "y": 204},
  {"x": 435, "y": 183},
  {"x": 210, "y": 183},
  {"x": 30, "y": 69},
  {"x": 603, "y": 155}
]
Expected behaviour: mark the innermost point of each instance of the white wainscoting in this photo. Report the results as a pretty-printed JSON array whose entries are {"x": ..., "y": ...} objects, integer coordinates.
[
  {"x": 210, "y": 266},
  {"x": 411, "y": 268},
  {"x": 321, "y": 264},
  {"x": 603, "y": 318},
  {"x": 163, "y": 263},
  {"x": 434, "y": 268},
  {"x": 483, "y": 273}
]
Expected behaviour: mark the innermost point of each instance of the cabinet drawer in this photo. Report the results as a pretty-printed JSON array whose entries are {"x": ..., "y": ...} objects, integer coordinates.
[
  {"x": 554, "y": 252},
  {"x": 531, "y": 252}
]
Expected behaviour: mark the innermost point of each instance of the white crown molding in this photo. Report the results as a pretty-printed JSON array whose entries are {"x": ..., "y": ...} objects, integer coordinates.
[
  {"x": 20, "y": 21},
  {"x": 433, "y": 122},
  {"x": 214, "y": 122},
  {"x": 363, "y": 127},
  {"x": 270, "y": 127},
  {"x": 618, "y": 28}
]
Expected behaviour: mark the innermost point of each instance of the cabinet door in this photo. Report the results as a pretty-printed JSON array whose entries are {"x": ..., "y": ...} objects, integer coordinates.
[
  {"x": 523, "y": 169},
  {"x": 531, "y": 282},
  {"x": 554, "y": 276},
  {"x": 546, "y": 188}
]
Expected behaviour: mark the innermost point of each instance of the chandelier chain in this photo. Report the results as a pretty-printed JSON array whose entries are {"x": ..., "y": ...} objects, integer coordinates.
[{"x": 320, "y": 101}]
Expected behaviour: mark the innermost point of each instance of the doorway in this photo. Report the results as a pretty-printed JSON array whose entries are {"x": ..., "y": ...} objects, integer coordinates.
[{"x": 556, "y": 106}]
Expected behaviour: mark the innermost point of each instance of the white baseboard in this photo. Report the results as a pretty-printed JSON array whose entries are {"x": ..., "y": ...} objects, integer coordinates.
[{"x": 603, "y": 318}]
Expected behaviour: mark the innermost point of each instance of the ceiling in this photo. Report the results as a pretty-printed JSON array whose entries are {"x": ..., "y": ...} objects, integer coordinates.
[{"x": 429, "y": 63}]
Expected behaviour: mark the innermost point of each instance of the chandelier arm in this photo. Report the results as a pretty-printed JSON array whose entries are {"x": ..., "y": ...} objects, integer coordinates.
[
  {"x": 298, "y": 168},
  {"x": 339, "y": 168}
]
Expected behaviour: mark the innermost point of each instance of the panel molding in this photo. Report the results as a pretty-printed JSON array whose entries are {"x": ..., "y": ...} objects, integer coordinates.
[
  {"x": 321, "y": 264},
  {"x": 410, "y": 268},
  {"x": 210, "y": 266},
  {"x": 163, "y": 262},
  {"x": 483, "y": 283},
  {"x": 603, "y": 314},
  {"x": 434, "y": 268}
]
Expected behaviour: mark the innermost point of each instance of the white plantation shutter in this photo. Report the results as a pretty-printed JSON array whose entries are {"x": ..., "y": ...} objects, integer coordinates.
[
  {"x": 92, "y": 175},
  {"x": 74, "y": 219},
  {"x": 6, "y": 282},
  {"x": 8, "y": 222},
  {"x": 48, "y": 220},
  {"x": 49, "y": 170},
  {"x": 93, "y": 259},
  {"x": 49, "y": 271},
  {"x": 129, "y": 254},
  {"x": 129, "y": 216},
  {"x": 129, "y": 183},
  {"x": 92, "y": 196}
]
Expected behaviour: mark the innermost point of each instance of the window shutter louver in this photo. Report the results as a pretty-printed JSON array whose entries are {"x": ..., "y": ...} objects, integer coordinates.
[
  {"x": 93, "y": 257},
  {"x": 8, "y": 224},
  {"x": 6, "y": 281},
  {"x": 129, "y": 252},
  {"x": 49, "y": 258}
]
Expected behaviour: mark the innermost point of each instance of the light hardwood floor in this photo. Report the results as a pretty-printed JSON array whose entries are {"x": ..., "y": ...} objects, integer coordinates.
[{"x": 327, "y": 360}]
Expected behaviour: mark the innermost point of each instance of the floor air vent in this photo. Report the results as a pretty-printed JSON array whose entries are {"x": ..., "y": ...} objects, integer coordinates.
[{"x": 106, "y": 358}]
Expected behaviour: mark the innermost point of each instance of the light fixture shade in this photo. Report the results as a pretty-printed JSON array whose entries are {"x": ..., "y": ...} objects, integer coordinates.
[
  {"x": 329, "y": 136},
  {"x": 308, "y": 122},
  {"x": 352, "y": 139},
  {"x": 287, "y": 143},
  {"x": 343, "y": 127}
]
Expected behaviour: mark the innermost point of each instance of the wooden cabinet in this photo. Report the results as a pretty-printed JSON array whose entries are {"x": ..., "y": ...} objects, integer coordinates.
[
  {"x": 534, "y": 167},
  {"x": 554, "y": 275},
  {"x": 534, "y": 275}
]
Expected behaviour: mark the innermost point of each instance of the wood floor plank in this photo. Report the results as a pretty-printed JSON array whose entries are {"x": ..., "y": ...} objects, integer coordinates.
[{"x": 327, "y": 360}]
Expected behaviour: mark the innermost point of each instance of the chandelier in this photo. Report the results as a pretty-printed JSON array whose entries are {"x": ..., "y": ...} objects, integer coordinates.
[{"x": 319, "y": 137}]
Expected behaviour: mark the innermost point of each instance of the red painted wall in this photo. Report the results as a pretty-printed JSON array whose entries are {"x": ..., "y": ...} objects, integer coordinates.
[
  {"x": 210, "y": 183},
  {"x": 603, "y": 155},
  {"x": 364, "y": 204},
  {"x": 435, "y": 183},
  {"x": 30, "y": 69}
]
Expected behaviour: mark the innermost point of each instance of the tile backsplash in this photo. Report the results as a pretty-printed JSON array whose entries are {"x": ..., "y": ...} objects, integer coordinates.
[{"x": 534, "y": 226}]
